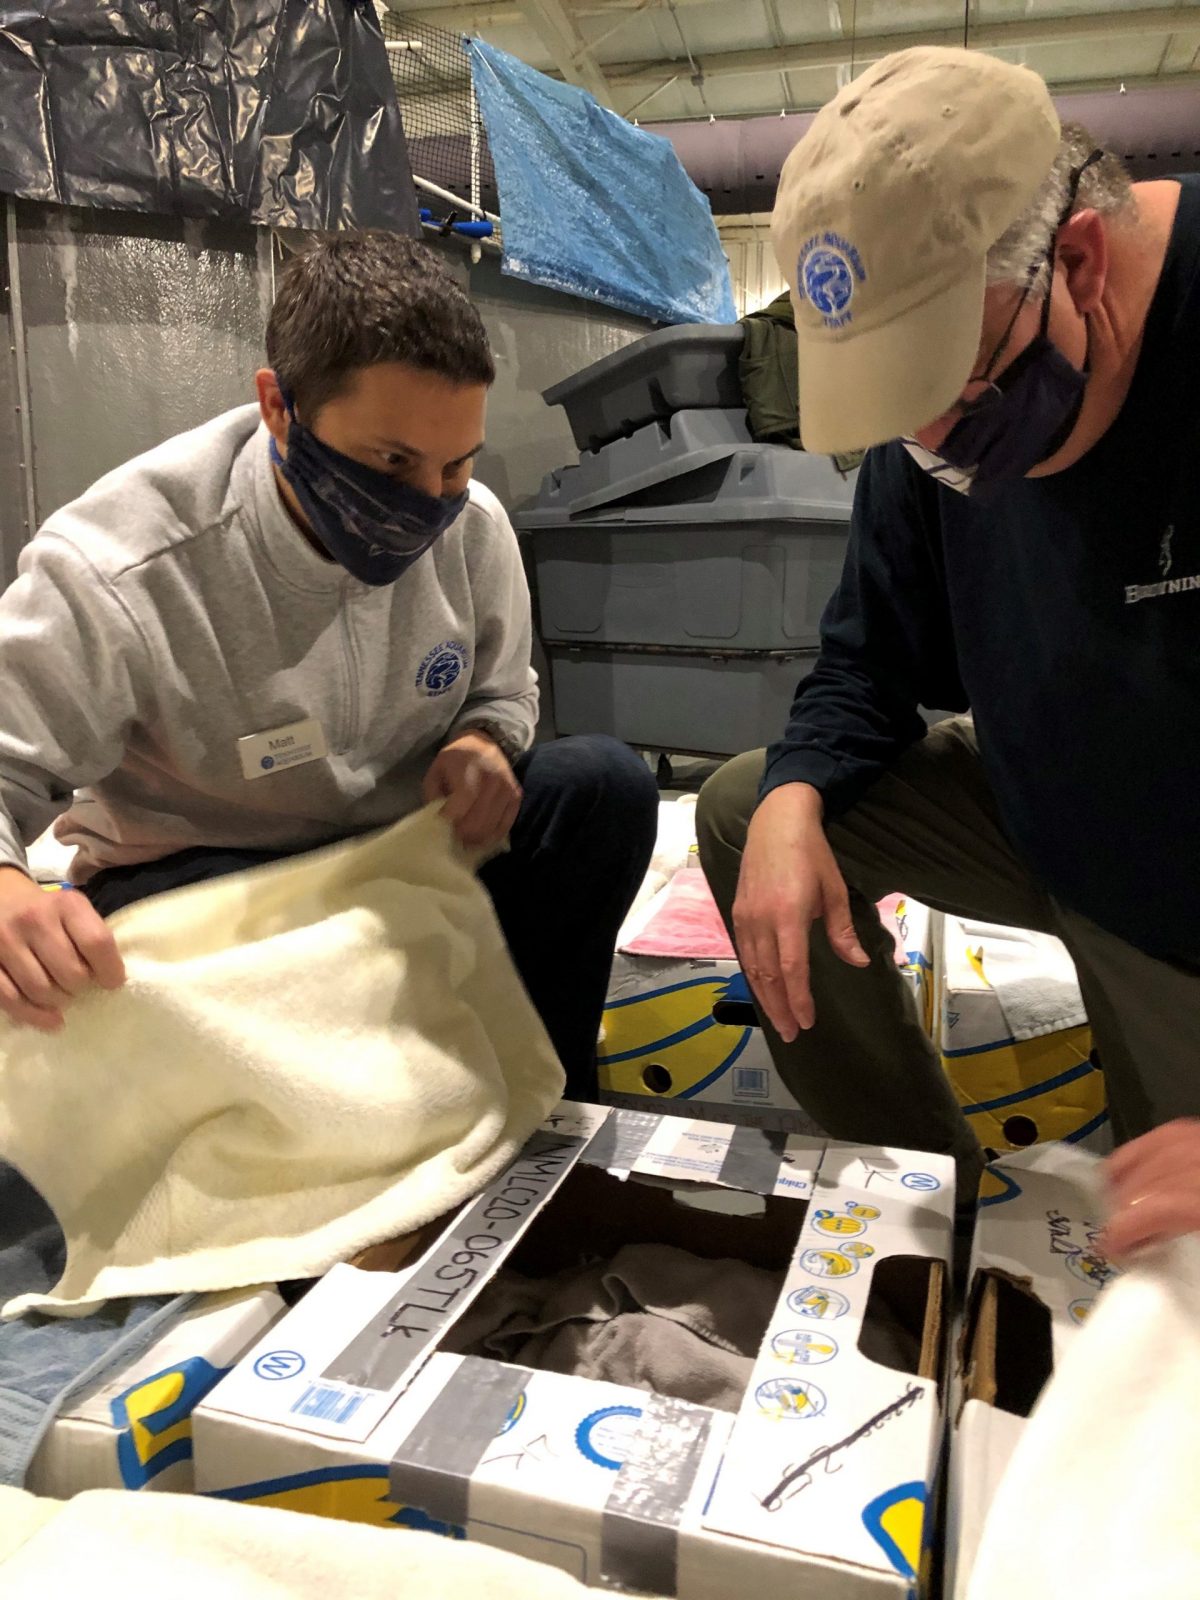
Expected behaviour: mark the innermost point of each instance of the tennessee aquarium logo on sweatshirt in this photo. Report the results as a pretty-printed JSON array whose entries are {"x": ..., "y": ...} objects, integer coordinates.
[{"x": 442, "y": 668}]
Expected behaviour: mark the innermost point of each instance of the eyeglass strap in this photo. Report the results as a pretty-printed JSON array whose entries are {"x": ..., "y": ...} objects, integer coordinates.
[{"x": 1064, "y": 215}]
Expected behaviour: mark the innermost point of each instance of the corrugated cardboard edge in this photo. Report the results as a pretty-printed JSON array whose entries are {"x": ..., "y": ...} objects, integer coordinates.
[{"x": 977, "y": 1343}]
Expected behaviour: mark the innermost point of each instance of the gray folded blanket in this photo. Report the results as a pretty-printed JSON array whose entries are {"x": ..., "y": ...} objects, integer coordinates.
[{"x": 653, "y": 1317}]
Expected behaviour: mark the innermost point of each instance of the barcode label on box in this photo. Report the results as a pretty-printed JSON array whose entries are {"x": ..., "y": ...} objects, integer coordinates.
[
  {"x": 751, "y": 1082},
  {"x": 328, "y": 1404}
]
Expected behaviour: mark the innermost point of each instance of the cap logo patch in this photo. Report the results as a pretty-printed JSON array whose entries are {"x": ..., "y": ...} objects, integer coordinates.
[{"x": 827, "y": 270}]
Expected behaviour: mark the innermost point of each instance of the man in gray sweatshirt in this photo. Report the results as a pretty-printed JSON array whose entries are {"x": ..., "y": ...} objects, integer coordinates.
[{"x": 298, "y": 622}]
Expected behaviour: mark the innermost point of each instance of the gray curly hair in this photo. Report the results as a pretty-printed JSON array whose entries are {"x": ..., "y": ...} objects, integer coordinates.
[{"x": 1105, "y": 187}]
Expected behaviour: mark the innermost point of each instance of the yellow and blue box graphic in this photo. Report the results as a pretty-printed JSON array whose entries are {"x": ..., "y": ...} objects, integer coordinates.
[
  {"x": 1015, "y": 1093},
  {"x": 133, "y": 1430},
  {"x": 677, "y": 1029}
]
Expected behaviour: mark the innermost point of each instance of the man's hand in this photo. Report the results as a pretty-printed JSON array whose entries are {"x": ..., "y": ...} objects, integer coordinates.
[
  {"x": 1154, "y": 1185},
  {"x": 788, "y": 881},
  {"x": 52, "y": 946},
  {"x": 473, "y": 775}
]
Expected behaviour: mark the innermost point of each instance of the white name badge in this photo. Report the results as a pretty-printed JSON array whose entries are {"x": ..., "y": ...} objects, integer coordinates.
[{"x": 261, "y": 754}]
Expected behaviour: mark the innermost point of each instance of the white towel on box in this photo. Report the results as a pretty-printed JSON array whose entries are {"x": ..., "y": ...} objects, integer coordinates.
[
  {"x": 307, "y": 1058},
  {"x": 108, "y": 1542},
  {"x": 1032, "y": 977},
  {"x": 673, "y": 845},
  {"x": 1100, "y": 1497}
]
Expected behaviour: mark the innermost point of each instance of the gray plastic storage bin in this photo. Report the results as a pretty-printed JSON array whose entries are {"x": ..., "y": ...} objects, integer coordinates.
[
  {"x": 731, "y": 585},
  {"x": 675, "y": 369},
  {"x": 691, "y": 704},
  {"x": 764, "y": 482},
  {"x": 672, "y": 450}
]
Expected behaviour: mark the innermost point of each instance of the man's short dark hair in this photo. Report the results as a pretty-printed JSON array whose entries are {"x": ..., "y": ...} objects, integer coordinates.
[{"x": 350, "y": 301}]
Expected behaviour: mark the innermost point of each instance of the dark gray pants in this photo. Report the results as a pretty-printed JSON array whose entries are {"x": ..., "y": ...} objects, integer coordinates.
[{"x": 929, "y": 828}]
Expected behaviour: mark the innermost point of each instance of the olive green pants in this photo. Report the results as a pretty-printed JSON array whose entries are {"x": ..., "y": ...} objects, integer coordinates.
[{"x": 929, "y": 828}]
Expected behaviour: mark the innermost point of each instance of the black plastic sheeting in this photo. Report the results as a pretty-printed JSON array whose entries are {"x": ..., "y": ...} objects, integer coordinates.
[{"x": 279, "y": 112}]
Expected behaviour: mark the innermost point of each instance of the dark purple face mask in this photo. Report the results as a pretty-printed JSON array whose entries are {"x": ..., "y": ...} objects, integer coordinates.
[
  {"x": 1023, "y": 416},
  {"x": 1020, "y": 420}
]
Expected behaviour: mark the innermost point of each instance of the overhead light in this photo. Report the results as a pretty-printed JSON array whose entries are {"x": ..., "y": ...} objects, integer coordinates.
[{"x": 404, "y": 44}]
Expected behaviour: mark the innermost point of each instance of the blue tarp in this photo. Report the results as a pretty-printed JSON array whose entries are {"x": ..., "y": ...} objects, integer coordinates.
[{"x": 593, "y": 206}]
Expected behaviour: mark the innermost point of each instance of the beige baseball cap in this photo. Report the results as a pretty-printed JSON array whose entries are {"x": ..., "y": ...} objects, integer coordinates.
[{"x": 885, "y": 213}]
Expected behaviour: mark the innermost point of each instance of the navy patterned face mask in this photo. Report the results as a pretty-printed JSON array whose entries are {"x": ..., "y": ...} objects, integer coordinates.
[{"x": 369, "y": 523}]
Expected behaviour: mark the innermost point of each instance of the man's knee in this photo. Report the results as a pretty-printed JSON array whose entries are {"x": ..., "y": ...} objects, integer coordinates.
[
  {"x": 597, "y": 771},
  {"x": 727, "y": 802}
]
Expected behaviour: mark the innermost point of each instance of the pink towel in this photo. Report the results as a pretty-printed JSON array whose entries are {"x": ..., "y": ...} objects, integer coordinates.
[{"x": 686, "y": 925}]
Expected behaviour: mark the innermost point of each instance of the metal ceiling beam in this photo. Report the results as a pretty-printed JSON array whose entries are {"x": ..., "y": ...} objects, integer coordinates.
[
  {"x": 1149, "y": 80},
  {"x": 636, "y": 76},
  {"x": 568, "y": 48},
  {"x": 1178, "y": 20},
  {"x": 477, "y": 14},
  {"x": 1181, "y": 53},
  {"x": 1062, "y": 87},
  {"x": 468, "y": 18}
]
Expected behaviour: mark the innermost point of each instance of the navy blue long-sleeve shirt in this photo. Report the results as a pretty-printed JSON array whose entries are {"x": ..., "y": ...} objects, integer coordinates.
[{"x": 1065, "y": 614}]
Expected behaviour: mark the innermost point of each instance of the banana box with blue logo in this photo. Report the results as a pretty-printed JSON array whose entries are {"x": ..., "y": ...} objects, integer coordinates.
[
  {"x": 1036, "y": 1272},
  {"x": 357, "y": 1405},
  {"x": 912, "y": 927},
  {"x": 679, "y": 1023},
  {"x": 133, "y": 1429},
  {"x": 1014, "y": 1037}
]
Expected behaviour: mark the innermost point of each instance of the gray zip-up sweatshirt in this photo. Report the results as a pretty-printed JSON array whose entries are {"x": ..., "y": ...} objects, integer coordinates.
[{"x": 175, "y": 608}]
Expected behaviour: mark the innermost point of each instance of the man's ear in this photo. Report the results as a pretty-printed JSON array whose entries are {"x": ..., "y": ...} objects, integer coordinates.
[
  {"x": 1083, "y": 251},
  {"x": 270, "y": 404}
]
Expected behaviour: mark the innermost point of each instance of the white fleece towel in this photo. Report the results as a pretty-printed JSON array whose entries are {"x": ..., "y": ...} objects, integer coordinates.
[
  {"x": 1032, "y": 976},
  {"x": 1100, "y": 1498},
  {"x": 306, "y": 1059},
  {"x": 675, "y": 838},
  {"x": 108, "y": 1542}
]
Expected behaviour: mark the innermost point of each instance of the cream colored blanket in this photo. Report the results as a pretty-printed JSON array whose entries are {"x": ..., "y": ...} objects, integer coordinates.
[
  {"x": 306, "y": 1059},
  {"x": 1099, "y": 1501},
  {"x": 112, "y": 1543}
]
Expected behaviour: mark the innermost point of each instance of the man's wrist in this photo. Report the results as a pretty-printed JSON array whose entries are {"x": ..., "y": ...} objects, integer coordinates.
[
  {"x": 812, "y": 800},
  {"x": 801, "y": 797},
  {"x": 493, "y": 734}
]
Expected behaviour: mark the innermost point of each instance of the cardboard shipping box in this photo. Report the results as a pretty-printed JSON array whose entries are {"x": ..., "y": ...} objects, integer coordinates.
[
  {"x": 352, "y": 1407},
  {"x": 684, "y": 1027},
  {"x": 133, "y": 1429},
  {"x": 1014, "y": 1093},
  {"x": 1036, "y": 1272}
]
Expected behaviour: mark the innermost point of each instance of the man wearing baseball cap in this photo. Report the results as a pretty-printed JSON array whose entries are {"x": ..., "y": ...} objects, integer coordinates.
[{"x": 986, "y": 300}]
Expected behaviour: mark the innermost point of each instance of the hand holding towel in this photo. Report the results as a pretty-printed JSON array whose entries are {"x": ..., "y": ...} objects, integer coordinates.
[{"x": 306, "y": 1059}]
